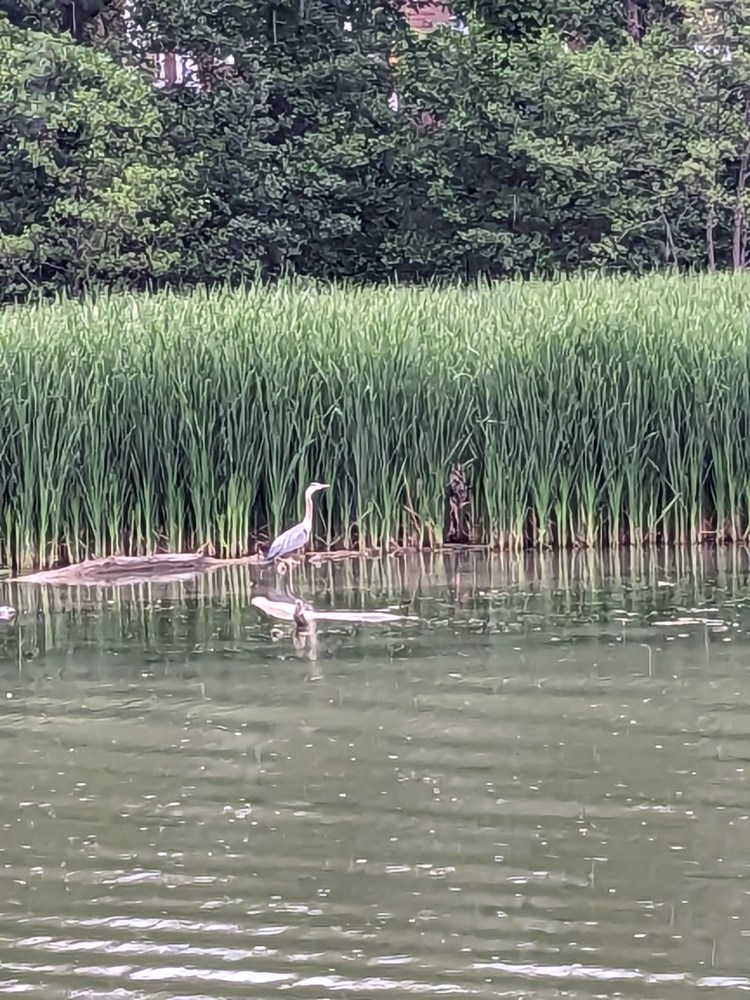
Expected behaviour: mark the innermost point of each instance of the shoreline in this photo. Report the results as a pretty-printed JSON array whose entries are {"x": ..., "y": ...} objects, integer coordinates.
[{"x": 173, "y": 566}]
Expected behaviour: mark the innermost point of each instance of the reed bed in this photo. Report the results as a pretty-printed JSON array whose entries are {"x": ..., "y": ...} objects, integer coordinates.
[{"x": 588, "y": 412}]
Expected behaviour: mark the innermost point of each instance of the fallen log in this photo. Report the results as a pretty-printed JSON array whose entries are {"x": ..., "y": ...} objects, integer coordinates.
[
  {"x": 289, "y": 610},
  {"x": 163, "y": 567}
]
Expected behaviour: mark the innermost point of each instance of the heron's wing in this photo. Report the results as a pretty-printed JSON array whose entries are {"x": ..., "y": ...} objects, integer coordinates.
[{"x": 291, "y": 540}]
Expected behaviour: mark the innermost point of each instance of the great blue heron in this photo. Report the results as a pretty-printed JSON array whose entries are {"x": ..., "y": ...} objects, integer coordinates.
[{"x": 297, "y": 537}]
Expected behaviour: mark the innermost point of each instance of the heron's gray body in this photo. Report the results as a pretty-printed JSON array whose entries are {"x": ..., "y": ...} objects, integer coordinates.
[
  {"x": 288, "y": 541},
  {"x": 298, "y": 536}
]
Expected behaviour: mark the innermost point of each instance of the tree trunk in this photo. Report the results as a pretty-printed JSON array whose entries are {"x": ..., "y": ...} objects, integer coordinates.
[
  {"x": 634, "y": 20},
  {"x": 739, "y": 234},
  {"x": 670, "y": 249},
  {"x": 710, "y": 244}
]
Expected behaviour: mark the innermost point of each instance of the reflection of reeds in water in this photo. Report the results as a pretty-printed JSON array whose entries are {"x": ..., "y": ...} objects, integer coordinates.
[
  {"x": 568, "y": 574},
  {"x": 215, "y": 612},
  {"x": 180, "y": 616}
]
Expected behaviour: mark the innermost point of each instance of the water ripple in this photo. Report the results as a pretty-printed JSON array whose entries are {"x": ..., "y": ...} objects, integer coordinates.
[{"x": 515, "y": 799}]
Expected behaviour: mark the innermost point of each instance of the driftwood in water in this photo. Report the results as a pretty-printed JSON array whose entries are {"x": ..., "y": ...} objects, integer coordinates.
[
  {"x": 290, "y": 609},
  {"x": 162, "y": 567},
  {"x": 119, "y": 571}
]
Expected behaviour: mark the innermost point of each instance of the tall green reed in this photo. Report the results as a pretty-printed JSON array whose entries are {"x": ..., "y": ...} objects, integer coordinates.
[{"x": 585, "y": 412}]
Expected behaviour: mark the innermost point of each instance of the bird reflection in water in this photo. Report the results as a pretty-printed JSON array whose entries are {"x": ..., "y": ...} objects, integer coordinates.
[
  {"x": 304, "y": 618},
  {"x": 305, "y": 639},
  {"x": 304, "y": 634}
]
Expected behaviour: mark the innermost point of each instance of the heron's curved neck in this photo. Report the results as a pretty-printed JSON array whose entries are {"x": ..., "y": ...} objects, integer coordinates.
[{"x": 308, "y": 509}]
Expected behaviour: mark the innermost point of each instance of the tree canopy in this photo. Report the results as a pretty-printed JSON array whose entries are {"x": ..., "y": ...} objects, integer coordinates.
[{"x": 327, "y": 138}]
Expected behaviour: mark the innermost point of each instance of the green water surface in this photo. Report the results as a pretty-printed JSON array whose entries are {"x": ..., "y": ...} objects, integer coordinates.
[{"x": 538, "y": 788}]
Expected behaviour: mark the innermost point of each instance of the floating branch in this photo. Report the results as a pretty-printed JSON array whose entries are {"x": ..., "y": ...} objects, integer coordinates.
[{"x": 123, "y": 570}]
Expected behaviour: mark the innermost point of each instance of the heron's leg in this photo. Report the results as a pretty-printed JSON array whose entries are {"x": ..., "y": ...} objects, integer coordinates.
[
  {"x": 292, "y": 560},
  {"x": 288, "y": 563}
]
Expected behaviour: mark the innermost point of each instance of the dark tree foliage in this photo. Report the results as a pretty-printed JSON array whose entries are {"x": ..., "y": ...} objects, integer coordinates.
[
  {"x": 90, "y": 191},
  {"x": 295, "y": 135},
  {"x": 81, "y": 19},
  {"x": 326, "y": 138},
  {"x": 36, "y": 15},
  {"x": 579, "y": 21}
]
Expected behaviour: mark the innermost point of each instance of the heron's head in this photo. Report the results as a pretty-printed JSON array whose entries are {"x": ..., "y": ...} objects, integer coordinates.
[{"x": 314, "y": 487}]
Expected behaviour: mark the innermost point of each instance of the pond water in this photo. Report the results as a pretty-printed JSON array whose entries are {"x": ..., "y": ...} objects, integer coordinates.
[{"x": 536, "y": 787}]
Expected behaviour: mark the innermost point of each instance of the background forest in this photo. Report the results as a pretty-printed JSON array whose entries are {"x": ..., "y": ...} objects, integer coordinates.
[{"x": 328, "y": 138}]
